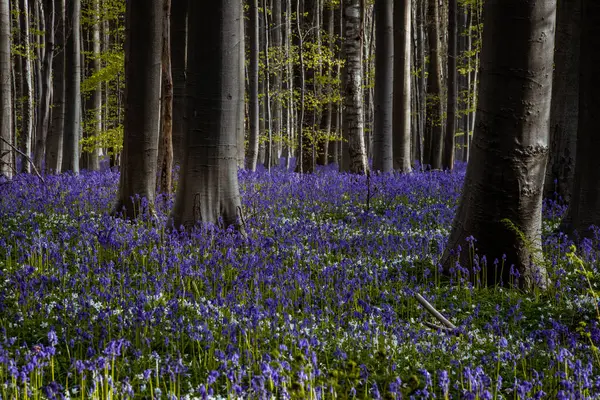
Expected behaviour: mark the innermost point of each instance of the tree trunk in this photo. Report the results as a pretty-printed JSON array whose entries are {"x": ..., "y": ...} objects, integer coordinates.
[
  {"x": 565, "y": 101},
  {"x": 54, "y": 148},
  {"x": 354, "y": 155},
  {"x": 208, "y": 189},
  {"x": 584, "y": 210},
  {"x": 501, "y": 204},
  {"x": 27, "y": 79},
  {"x": 384, "y": 74},
  {"x": 434, "y": 115},
  {"x": 402, "y": 86},
  {"x": 6, "y": 109},
  {"x": 46, "y": 94},
  {"x": 448, "y": 156},
  {"x": 276, "y": 99},
  {"x": 323, "y": 149},
  {"x": 143, "y": 49},
  {"x": 253, "y": 71},
  {"x": 165, "y": 148},
  {"x": 93, "y": 105},
  {"x": 179, "y": 29},
  {"x": 70, "y": 161}
]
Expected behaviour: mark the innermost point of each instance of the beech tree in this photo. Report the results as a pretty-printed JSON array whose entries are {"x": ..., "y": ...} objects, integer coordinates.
[
  {"x": 72, "y": 127},
  {"x": 208, "y": 188},
  {"x": 253, "y": 71},
  {"x": 6, "y": 150},
  {"x": 402, "y": 86},
  {"x": 143, "y": 49},
  {"x": 178, "y": 23},
  {"x": 584, "y": 209},
  {"x": 384, "y": 55},
  {"x": 560, "y": 171},
  {"x": 501, "y": 202},
  {"x": 54, "y": 145},
  {"x": 354, "y": 153}
]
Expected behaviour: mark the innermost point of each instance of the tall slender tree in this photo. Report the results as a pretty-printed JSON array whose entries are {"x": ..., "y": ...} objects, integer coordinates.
[
  {"x": 384, "y": 74},
  {"x": 501, "y": 203},
  {"x": 565, "y": 101},
  {"x": 143, "y": 49},
  {"x": 208, "y": 189},
  {"x": 584, "y": 209},
  {"x": 354, "y": 154},
  {"x": 28, "y": 89},
  {"x": 253, "y": 72},
  {"x": 54, "y": 148},
  {"x": 46, "y": 90},
  {"x": 70, "y": 160},
  {"x": 6, "y": 109},
  {"x": 434, "y": 114},
  {"x": 165, "y": 148},
  {"x": 402, "y": 86},
  {"x": 448, "y": 155}
]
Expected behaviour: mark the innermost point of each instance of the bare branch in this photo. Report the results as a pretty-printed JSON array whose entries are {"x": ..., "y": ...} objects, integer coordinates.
[
  {"x": 434, "y": 312},
  {"x": 26, "y": 156}
]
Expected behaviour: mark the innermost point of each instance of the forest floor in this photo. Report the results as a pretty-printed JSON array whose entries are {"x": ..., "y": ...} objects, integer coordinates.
[{"x": 318, "y": 301}]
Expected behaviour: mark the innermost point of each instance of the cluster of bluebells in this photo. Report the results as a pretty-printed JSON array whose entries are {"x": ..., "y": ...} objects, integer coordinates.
[{"x": 316, "y": 301}]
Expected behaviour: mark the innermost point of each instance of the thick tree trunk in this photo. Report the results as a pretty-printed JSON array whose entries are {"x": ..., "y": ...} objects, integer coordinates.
[
  {"x": 448, "y": 156},
  {"x": 584, "y": 209},
  {"x": 208, "y": 189},
  {"x": 179, "y": 27},
  {"x": 70, "y": 161},
  {"x": 402, "y": 86},
  {"x": 7, "y": 167},
  {"x": 354, "y": 155},
  {"x": 384, "y": 74},
  {"x": 143, "y": 49},
  {"x": 54, "y": 147},
  {"x": 434, "y": 114},
  {"x": 165, "y": 148},
  {"x": 565, "y": 101},
  {"x": 253, "y": 71},
  {"x": 501, "y": 204}
]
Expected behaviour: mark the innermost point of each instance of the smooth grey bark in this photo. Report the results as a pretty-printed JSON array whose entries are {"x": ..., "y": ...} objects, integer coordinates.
[
  {"x": 434, "y": 114},
  {"x": 43, "y": 120},
  {"x": 179, "y": 26},
  {"x": 384, "y": 74},
  {"x": 6, "y": 108},
  {"x": 164, "y": 179},
  {"x": 565, "y": 101},
  {"x": 421, "y": 87},
  {"x": 70, "y": 160},
  {"x": 267, "y": 90},
  {"x": 354, "y": 155},
  {"x": 208, "y": 189},
  {"x": 90, "y": 160},
  {"x": 327, "y": 90},
  {"x": 401, "y": 139},
  {"x": 450, "y": 133},
  {"x": 584, "y": 209},
  {"x": 27, "y": 108},
  {"x": 54, "y": 146},
  {"x": 277, "y": 115},
  {"x": 253, "y": 71},
  {"x": 501, "y": 202},
  {"x": 143, "y": 50},
  {"x": 241, "y": 114}
]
